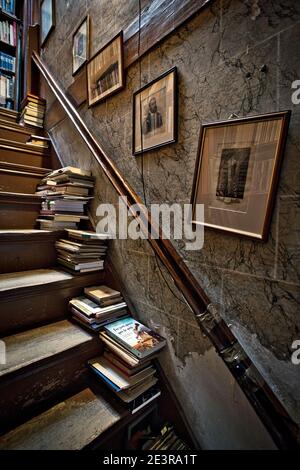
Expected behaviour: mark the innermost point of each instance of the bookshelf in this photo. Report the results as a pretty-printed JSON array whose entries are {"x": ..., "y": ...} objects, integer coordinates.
[{"x": 9, "y": 55}]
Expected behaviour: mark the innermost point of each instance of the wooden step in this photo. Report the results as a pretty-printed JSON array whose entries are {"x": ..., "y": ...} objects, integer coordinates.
[
  {"x": 20, "y": 178},
  {"x": 39, "y": 296},
  {"x": 19, "y": 210},
  {"x": 40, "y": 364},
  {"x": 9, "y": 115},
  {"x": 70, "y": 425},
  {"x": 24, "y": 154},
  {"x": 11, "y": 130},
  {"x": 18, "y": 249}
]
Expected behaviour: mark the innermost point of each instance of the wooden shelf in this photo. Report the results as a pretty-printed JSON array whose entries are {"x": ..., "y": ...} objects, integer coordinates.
[
  {"x": 6, "y": 47},
  {"x": 9, "y": 72},
  {"x": 8, "y": 16}
]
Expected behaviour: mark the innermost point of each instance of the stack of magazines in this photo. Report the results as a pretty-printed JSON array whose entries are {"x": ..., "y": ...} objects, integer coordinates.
[
  {"x": 99, "y": 306},
  {"x": 126, "y": 365},
  {"x": 66, "y": 193},
  {"x": 82, "y": 251}
]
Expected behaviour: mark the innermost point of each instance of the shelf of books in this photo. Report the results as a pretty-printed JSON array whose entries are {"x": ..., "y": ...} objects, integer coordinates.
[{"x": 9, "y": 28}]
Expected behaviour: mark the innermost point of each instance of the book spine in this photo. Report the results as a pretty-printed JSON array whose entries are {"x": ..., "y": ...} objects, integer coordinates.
[
  {"x": 126, "y": 345},
  {"x": 106, "y": 380}
]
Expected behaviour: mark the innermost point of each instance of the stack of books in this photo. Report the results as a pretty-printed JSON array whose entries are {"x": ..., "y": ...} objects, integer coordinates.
[
  {"x": 126, "y": 367},
  {"x": 39, "y": 141},
  {"x": 33, "y": 111},
  {"x": 99, "y": 306},
  {"x": 166, "y": 440},
  {"x": 82, "y": 251},
  {"x": 65, "y": 192},
  {"x": 8, "y": 32},
  {"x": 7, "y": 62},
  {"x": 7, "y": 90}
]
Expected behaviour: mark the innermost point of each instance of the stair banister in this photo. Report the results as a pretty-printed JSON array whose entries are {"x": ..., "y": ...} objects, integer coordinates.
[{"x": 280, "y": 425}]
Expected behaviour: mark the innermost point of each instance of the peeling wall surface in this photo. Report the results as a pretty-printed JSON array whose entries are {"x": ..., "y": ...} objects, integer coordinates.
[{"x": 219, "y": 55}]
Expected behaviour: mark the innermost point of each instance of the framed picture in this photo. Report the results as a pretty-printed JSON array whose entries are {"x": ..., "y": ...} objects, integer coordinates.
[
  {"x": 237, "y": 171},
  {"x": 155, "y": 113},
  {"x": 81, "y": 44},
  {"x": 105, "y": 71},
  {"x": 47, "y": 19}
]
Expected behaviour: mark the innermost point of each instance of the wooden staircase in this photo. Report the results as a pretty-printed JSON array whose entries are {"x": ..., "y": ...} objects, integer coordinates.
[{"x": 48, "y": 400}]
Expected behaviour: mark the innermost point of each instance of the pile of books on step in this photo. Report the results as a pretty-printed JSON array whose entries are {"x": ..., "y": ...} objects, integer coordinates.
[
  {"x": 99, "y": 306},
  {"x": 39, "y": 141},
  {"x": 81, "y": 251},
  {"x": 166, "y": 440},
  {"x": 33, "y": 111},
  {"x": 66, "y": 193},
  {"x": 126, "y": 365}
]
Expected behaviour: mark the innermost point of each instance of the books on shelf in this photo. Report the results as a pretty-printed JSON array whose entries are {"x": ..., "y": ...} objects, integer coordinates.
[
  {"x": 8, "y": 32},
  {"x": 8, "y": 6},
  {"x": 7, "y": 62},
  {"x": 140, "y": 340},
  {"x": 7, "y": 90}
]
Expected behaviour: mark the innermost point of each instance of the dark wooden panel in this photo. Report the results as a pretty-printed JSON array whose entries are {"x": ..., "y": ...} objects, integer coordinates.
[
  {"x": 22, "y": 256},
  {"x": 18, "y": 216},
  {"x": 18, "y": 182}
]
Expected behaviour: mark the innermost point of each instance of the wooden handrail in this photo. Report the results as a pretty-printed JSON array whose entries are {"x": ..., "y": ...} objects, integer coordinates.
[{"x": 270, "y": 410}]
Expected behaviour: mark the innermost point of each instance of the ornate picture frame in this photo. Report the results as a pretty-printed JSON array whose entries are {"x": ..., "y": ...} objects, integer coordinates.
[
  {"x": 105, "y": 71},
  {"x": 155, "y": 113},
  {"x": 47, "y": 19},
  {"x": 81, "y": 45},
  {"x": 237, "y": 171}
]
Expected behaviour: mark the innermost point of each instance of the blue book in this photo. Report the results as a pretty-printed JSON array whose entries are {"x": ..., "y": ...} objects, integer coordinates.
[{"x": 106, "y": 380}]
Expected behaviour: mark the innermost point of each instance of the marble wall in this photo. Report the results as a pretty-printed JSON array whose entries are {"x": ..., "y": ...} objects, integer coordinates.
[{"x": 219, "y": 55}]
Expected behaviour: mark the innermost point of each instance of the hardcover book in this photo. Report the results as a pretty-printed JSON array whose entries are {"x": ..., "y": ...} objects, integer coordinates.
[{"x": 135, "y": 337}]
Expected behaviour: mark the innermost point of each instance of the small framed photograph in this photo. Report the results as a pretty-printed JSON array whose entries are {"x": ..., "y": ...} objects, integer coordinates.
[
  {"x": 237, "y": 170},
  {"x": 155, "y": 113},
  {"x": 81, "y": 45},
  {"x": 47, "y": 20},
  {"x": 105, "y": 71}
]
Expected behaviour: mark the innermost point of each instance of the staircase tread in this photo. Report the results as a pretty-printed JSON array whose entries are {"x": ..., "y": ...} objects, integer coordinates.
[
  {"x": 24, "y": 168},
  {"x": 31, "y": 278},
  {"x": 14, "y": 144},
  {"x": 70, "y": 425},
  {"x": 19, "y": 195},
  {"x": 15, "y": 126},
  {"x": 33, "y": 346},
  {"x": 25, "y": 231}
]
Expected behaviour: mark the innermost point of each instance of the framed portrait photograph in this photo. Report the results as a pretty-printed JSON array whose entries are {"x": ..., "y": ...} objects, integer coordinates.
[
  {"x": 47, "y": 20},
  {"x": 81, "y": 45},
  {"x": 237, "y": 171},
  {"x": 105, "y": 71},
  {"x": 155, "y": 113}
]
